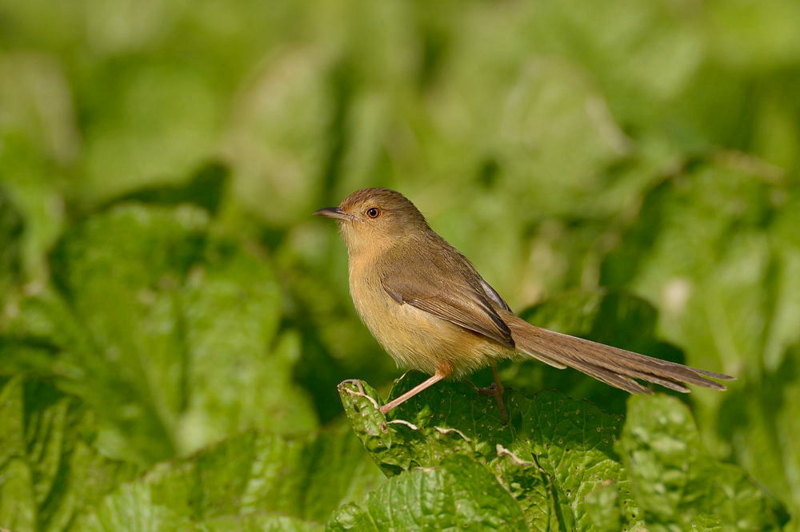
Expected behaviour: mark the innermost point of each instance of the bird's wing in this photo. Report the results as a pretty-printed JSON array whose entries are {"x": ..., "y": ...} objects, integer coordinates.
[{"x": 450, "y": 289}]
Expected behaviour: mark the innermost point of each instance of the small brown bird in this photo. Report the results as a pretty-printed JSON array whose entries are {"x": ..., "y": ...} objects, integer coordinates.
[{"x": 431, "y": 311}]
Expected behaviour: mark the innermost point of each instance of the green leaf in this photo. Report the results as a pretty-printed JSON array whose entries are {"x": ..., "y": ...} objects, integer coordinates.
[
  {"x": 121, "y": 274},
  {"x": 11, "y": 230},
  {"x": 558, "y": 459},
  {"x": 238, "y": 368},
  {"x": 459, "y": 493},
  {"x": 677, "y": 483},
  {"x": 50, "y": 467},
  {"x": 560, "y": 449},
  {"x": 701, "y": 255},
  {"x": 169, "y": 334},
  {"x": 252, "y": 480},
  {"x": 258, "y": 523},
  {"x": 716, "y": 249},
  {"x": 602, "y": 507},
  {"x": 758, "y": 418}
]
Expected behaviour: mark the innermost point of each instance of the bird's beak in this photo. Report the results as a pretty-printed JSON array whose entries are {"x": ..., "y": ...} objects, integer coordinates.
[{"x": 334, "y": 212}]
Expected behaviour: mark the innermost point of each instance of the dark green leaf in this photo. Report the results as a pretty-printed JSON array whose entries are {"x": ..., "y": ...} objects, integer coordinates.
[{"x": 11, "y": 230}]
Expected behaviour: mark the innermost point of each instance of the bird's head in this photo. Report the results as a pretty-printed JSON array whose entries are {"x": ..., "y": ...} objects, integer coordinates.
[{"x": 375, "y": 218}]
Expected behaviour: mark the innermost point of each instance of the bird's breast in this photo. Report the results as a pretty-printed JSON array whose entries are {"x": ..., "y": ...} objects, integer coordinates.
[{"x": 414, "y": 338}]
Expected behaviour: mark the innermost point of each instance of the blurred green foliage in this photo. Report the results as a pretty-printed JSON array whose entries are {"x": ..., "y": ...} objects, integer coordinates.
[{"x": 626, "y": 171}]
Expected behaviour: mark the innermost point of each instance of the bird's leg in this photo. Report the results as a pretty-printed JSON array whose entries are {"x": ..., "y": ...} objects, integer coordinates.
[
  {"x": 439, "y": 375},
  {"x": 496, "y": 390},
  {"x": 498, "y": 393}
]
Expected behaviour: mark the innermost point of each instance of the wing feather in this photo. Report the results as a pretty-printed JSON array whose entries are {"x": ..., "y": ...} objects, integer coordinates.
[{"x": 452, "y": 290}]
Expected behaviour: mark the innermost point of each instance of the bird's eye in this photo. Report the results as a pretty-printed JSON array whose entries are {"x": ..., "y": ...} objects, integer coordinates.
[{"x": 373, "y": 212}]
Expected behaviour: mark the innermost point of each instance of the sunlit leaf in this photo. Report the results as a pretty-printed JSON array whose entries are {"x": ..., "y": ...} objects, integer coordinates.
[
  {"x": 564, "y": 462},
  {"x": 251, "y": 480}
]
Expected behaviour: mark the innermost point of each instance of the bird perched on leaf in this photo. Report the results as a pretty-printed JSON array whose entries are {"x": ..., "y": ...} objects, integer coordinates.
[{"x": 430, "y": 309}]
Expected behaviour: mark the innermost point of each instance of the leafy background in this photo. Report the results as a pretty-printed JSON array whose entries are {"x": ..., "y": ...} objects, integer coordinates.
[{"x": 174, "y": 323}]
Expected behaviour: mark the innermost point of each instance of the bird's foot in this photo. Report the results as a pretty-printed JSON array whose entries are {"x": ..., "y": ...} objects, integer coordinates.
[
  {"x": 357, "y": 384},
  {"x": 496, "y": 390}
]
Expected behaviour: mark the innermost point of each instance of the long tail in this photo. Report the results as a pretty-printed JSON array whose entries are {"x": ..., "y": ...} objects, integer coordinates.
[{"x": 613, "y": 366}]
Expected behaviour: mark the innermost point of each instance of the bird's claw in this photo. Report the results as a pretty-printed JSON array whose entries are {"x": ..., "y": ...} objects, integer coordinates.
[
  {"x": 357, "y": 384},
  {"x": 496, "y": 390},
  {"x": 492, "y": 390}
]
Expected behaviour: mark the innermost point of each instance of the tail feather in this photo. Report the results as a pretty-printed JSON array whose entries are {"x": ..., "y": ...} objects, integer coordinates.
[{"x": 616, "y": 367}]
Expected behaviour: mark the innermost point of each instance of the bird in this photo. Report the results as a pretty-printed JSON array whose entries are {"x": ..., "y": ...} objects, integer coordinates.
[{"x": 430, "y": 309}]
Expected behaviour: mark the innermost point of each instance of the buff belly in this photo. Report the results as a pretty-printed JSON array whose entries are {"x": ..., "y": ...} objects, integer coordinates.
[{"x": 419, "y": 340}]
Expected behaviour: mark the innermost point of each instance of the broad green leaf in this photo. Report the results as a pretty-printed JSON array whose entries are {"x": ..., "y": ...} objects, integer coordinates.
[
  {"x": 252, "y": 480},
  {"x": 168, "y": 334},
  {"x": 678, "y": 485},
  {"x": 560, "y": 459},
  {"x": 701, "y": 255},
  {"x": 716, "y": 250},
  {"x": 258, "y": 522},
  {"x": 238, "y": 371},
  {"x": 559, "y": 449},
  {"x": 761, "y": 421},
  {"x": 458, "y": 493},
  {"x": 602, "y": 507},
  {"x": 50, "y": 467},
  {"x": 121, "y": 274}
]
